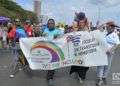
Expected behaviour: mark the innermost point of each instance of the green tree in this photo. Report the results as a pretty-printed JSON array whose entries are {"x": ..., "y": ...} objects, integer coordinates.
[{"x": 13, "y": 10}]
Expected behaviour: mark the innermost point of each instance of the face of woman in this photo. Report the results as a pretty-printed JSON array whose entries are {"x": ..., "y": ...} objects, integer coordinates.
[
  {"x": 82, "y": 23},
  {"x": 51, "y": 24}
]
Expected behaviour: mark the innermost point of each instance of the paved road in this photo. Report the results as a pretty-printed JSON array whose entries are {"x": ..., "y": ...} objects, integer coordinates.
[{"x": 62, "y": 78}]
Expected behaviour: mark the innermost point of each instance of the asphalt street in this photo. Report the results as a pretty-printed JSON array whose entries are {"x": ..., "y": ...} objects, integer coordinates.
[{"x": 62, "y": 77}]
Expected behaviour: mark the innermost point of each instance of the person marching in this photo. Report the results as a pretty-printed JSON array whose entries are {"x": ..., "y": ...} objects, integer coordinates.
[
  {"x": 82, "y": 22},
  {"x": 14, "y": 35},
  {"x": 112, "y": 42},
  {"x": 28, "y": 28},
  {"x": 51, "y": 32}
]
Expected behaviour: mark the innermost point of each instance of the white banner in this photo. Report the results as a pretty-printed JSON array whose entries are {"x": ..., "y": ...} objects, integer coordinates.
[{"x": 77, "y": 48}]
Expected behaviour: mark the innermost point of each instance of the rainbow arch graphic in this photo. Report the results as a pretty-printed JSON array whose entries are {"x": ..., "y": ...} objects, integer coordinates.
[{"x": 54, "y": 50}]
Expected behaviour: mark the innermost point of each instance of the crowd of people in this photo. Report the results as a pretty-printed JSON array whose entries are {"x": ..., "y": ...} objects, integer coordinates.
[{"x": 14, "y": 31}]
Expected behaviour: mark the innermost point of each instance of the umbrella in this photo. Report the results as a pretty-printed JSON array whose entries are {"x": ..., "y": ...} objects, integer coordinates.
[{"x": 4, "y": 19}]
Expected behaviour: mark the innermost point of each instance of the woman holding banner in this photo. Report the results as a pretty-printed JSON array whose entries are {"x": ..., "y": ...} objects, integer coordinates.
[
  {"x": 82, "y": 22},
  {"x": 51, "y": 32}
]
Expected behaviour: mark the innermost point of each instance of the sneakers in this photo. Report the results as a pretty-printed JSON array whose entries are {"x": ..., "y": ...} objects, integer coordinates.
[
  {"x": 104, "y": 81},
  {"x": 12, "y": 76},
  {"x": 99, "y": 82},
  {"x": 81, "y": 81},
  {"x": 50, "y": 82}
]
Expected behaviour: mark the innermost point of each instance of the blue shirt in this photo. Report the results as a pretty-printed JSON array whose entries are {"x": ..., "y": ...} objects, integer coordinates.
[
  {"x": 51, "y": 34},
  {"x": 20, "y": 32}
]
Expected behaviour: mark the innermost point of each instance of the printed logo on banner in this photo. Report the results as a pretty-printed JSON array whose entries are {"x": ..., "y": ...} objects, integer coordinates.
[
  {"x": 46, "y": 51},
  {"x": 74, "y": 39}
]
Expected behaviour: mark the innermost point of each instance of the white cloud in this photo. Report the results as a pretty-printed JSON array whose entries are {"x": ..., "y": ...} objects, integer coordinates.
[
  {"x": 112, "y": 2},
  {"x": 63, "y": 10}
]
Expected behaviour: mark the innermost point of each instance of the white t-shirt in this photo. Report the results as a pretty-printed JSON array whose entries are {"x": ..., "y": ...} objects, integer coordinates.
[{"x": 112, "y": 40}]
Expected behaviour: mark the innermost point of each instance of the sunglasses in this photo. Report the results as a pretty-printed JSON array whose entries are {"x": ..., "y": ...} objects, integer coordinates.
[{"x": 17, "y": 21}]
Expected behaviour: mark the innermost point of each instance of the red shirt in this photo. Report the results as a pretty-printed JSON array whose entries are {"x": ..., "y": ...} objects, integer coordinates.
[
  {"x": 29, "y": 30},
  {"x": 12, "y": 33}
]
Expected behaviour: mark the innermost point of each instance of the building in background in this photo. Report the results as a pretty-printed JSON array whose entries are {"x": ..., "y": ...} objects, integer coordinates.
[{"x": 37, "y": 7}]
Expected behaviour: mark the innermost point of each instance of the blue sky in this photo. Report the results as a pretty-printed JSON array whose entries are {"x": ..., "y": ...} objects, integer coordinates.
[
  {"x": 26, "y": 4},
  {"x": 63, "y": 10}
]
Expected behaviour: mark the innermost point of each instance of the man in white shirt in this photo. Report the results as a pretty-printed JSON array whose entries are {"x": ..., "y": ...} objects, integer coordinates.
[{"x": 112, "y": 42}]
